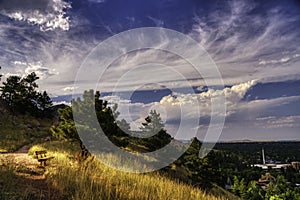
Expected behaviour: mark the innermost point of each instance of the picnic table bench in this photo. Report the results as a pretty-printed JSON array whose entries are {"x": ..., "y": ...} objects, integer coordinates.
[{"x": 42, "y": 157}]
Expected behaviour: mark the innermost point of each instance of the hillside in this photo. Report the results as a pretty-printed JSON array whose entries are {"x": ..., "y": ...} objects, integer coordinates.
[
  {"x": 67, "y": 176},
  {"x": 90, "y": 179},
  {"x": 17, "y": 130}
]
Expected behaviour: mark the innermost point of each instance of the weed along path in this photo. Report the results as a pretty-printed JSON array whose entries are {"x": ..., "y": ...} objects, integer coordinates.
[{"x": 22, "y": 177}]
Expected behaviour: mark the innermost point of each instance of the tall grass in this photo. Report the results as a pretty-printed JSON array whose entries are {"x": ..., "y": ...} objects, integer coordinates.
[
  {"x": 17, "y": 131},
  {"x": 92, "y": 180},
  {"x": 13, "y": 186}
]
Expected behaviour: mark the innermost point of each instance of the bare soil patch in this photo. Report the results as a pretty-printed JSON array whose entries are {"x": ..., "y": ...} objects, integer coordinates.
[{"x": 28, "y": 180}]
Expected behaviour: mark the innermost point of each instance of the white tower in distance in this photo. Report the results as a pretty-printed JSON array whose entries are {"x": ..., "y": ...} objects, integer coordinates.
[{"x": 263, "y": 156}]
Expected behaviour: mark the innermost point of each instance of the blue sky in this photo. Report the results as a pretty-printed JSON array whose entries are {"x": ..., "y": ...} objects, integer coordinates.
[{"x": 255, "y": 44}]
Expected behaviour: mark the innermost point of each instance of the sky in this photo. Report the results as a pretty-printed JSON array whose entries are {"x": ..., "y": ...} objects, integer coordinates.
[{"x": 254, "y": 44}]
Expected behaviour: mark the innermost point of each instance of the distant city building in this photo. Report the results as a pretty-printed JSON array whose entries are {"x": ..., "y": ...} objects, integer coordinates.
[{"x": 275, "y": 165}]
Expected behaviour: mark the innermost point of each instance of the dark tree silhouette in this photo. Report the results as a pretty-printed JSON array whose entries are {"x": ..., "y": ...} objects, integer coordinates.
[
  {"x": 22, "y": 96},
  {"x": 106, "y": 118},
  {"x": 0, "y": 74},
  {"x": 154, "y": 127}
]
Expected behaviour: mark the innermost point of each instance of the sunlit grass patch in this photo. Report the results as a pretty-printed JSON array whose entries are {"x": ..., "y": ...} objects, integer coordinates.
[
  {"x": 61, "y": 147},
  {"x": 3, "y": 151},
  {"x": 91, "y": 179}
]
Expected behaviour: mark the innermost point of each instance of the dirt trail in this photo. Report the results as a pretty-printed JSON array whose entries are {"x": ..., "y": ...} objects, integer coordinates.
[
  {"x": 23, "y": 149},
  {"x": 19, "y": 159},
  {"x": 29, "y": 173}
]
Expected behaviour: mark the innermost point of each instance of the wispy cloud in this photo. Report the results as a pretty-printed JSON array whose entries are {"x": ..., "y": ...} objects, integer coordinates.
[
  {"x": 48, "y": 17},
  {"x": 271, "y": 122},
  {"x": 24, "y": 68},
  {"x": 157, "y": 22},
  {"x": 240, "y": 40},
  {"x": 266, "y": 62},
  {"x": 52, "y": 54},
  {"x": 247, "y": 43},
  {"x": 248, "y": 40},
  {"x": 97, "y": 1},
  {"x": 40, "y": 70}
]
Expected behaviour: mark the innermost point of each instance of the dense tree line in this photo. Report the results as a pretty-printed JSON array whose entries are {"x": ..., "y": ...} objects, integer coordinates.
[{"x": 251, "y": 151}]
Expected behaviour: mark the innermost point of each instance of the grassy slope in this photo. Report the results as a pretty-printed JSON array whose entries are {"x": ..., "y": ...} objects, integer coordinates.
[
  {"x": 88, "y": 180},
  {"x": 93, "y": 180},
  {"x": 17, "y": 131},
  {"x": 20, "y": 183}
]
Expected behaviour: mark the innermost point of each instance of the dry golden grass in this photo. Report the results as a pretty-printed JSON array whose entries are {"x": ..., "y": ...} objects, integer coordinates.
[{"x": 94, "y": 180}]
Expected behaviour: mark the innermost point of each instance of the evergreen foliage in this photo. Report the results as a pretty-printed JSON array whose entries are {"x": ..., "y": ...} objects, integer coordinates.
[
  {"x": 22, "y": 96},
  {"x": 106, "y": 116},
  {"x": 156, "y": 136}
]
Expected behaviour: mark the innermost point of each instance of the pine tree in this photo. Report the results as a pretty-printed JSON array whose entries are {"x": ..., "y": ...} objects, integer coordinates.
[
  {"x": 153, "y": 124},
  {"x": 22, "y": 96},
  {"x": 83, "y": 108},
  {"x": 153, "y": 130},
  {"x": 44, "y": 104}
]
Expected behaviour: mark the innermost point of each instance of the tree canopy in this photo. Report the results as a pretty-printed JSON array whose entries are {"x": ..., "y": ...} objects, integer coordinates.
[
  {"x": 106, "y": 117},
  {"x": 22, "y": 96},
  {"x": 153, "y": 123},
  {"x": 153, "y": 128},
  {"x": 116, "y": 130}
]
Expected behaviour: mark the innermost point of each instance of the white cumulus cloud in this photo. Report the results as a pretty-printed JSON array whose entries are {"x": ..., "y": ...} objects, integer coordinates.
[
  {"x": 69, "y": 88},
  {"x": 186, "y": 109},
  {"x": 233, "y": 96}
]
